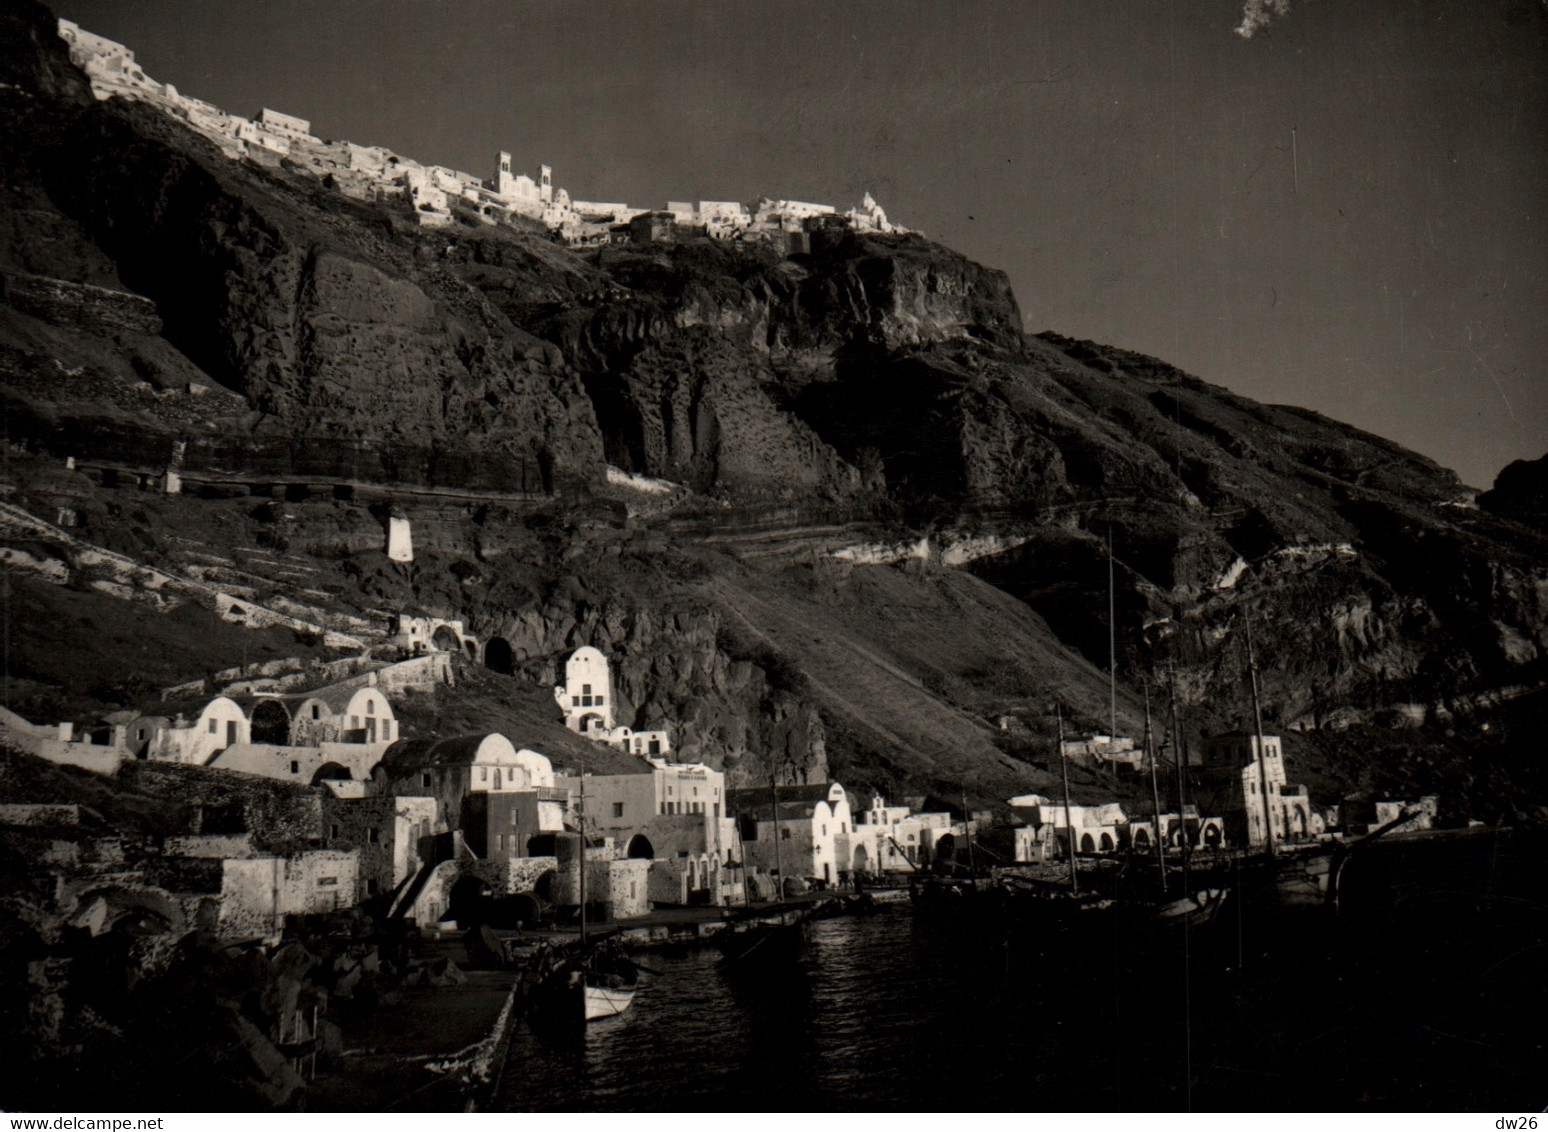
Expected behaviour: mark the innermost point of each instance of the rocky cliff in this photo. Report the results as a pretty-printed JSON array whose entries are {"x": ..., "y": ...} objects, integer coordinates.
[{"x": 874, "y": 390}]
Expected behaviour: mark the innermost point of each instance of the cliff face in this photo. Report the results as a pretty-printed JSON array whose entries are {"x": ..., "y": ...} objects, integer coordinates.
[
  {"x": 1520, "y": 493},
  {"x": 877, "y": 388}
]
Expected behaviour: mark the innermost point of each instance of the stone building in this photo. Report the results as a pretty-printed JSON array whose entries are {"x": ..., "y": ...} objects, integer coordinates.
[
  {"x": 1092, "y": 829},
  {"x": 220, "y": 724},
  {"x": 391, "y": 835},
  {"x": 812, "y": 825},
  {"x": 344, "y": 713},
  {"x": 256, "y": 894},
  {"x": 1360, "y": 816},
  {"x": 400, "y": 535},
  {"x": 889, "y": 839},
  {"x": 1112, "y": 749},
  {"x": 432, "y": 634},
  {"x": 673, "y": 815},
  {"x": 587, "y": 700},
  {"x": 308, "y": 765},
  {"x": 1229, "y": 783},
  {"x": 459, "y": 771}
]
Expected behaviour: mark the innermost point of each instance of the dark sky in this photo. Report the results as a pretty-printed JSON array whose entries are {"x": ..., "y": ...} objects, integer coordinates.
[{"x": 1345, "y": 211}]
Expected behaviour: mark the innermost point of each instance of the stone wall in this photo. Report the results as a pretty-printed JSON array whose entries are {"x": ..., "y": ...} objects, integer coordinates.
[
  {"x": 512, "y": 874},
  {"x": 219, "y": 845},
  {"x": 46, "y": 743},
  {"x": 627, "y": 888},
  {"x": 385, "y": 831},
  {"x": 40, "y": 814},
  {"x": 280, "y": 817},
  {"x": 256, "y": 895},
  {"x": 298, "y": 764}
]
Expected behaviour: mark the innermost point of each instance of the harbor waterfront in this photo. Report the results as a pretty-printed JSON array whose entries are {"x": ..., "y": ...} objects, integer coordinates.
[
  {"x": 474, "y": 649},
  {"x": 1420, "y": 996}
]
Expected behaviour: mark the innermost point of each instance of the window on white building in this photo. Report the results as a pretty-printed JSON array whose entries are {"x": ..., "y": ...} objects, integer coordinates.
[
  {"x": 327, "y": 882},
  {"x": 295, "y": 766},
  {"x": 784, "y": 835},
  {"x": 618, "y": 809}
]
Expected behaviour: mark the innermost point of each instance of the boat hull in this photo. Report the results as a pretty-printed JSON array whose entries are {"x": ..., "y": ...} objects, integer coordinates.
[{"x": 607, "y": 1002}]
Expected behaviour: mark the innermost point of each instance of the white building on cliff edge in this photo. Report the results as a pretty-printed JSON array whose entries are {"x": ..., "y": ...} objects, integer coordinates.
[{"x": 586, "y": 698}]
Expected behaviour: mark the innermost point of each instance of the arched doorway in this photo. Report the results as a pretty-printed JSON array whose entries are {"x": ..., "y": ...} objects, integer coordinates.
[
  {"x": 270, "y": 723},
  {"x": 498, "y": 656},
  {"x": 1107, "y": 843},
  {"x": 862, "y": 859},
  {"x": 640, "y": 848},
  {"x": 331, "y": 772},
  {"x": 946, "y": 847},
  {"x": 517, "y": 911},
  {"x": 470, "y": 900},
  {"x": 546, "y": 885},
  {"x": 1142, "y": 838},
  {"x": 1086, "y": 844},
  {"x": 1212, "y": 837},
  {"x": 445, "y": 638}
]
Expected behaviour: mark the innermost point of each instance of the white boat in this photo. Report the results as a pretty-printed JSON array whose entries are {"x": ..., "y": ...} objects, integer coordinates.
[{"x": 607, "y": 1002}]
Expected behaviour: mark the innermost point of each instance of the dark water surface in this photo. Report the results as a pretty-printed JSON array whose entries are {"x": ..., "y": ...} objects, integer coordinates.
[{"x": 1429, "y": 993}]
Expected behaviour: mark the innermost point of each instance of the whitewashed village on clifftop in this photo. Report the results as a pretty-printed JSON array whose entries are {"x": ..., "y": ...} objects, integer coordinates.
[
  {"x": 437, "y": 194},
  {"x": 629, "y": 618}
]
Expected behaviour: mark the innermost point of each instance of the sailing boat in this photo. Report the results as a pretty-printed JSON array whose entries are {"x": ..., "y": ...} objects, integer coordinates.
[
  {"x": 768, "y": 934},
  {"x": 597, "y": 981}
]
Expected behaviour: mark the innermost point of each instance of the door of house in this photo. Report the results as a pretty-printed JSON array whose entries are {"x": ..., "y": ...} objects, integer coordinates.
[
  {"x": 370, "y": 730},
  {"x": 231, "y": 732}
]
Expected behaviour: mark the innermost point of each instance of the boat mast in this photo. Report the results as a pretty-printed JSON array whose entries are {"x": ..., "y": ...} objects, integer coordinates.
[
  {"x": 582, "y": 824},
  {"x": 967, "y": 830},
  {"x": 1257, "y": 720},
  {"x": 1180, "y": 756},
  {"x": 1155, "y": 794},
  {"x": 1112, "y": 645},
  {"x": 779, "y": 869},
  {"x": 1069, "y": 828}
]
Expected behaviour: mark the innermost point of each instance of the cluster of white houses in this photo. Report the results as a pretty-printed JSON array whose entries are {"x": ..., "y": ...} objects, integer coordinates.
[
  {"x": 408, "y": 823},
  {"x": 405, "y": 821},
  {"x": 372, "y": 172}
]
